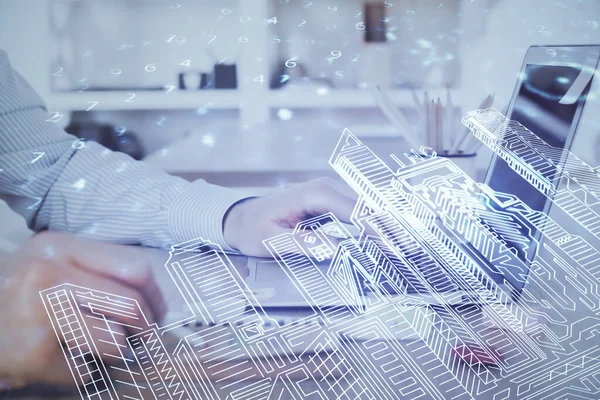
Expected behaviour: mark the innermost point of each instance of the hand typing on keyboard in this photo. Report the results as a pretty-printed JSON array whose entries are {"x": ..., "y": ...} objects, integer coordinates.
[
  {"x": 250, "y": 222},
  {"x": 29, "y": 351}
]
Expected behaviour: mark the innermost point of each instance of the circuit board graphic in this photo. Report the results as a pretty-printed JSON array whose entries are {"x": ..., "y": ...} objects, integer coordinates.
[{"x": 491, "y": 298}]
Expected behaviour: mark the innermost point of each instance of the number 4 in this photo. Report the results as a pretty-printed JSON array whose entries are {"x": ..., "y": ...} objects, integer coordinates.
[
  {"x": 260, "y": 79},
  {"x": 186, "y": 63}
]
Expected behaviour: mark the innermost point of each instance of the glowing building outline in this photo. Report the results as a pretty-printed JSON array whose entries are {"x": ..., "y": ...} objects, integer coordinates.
[{"x": 413, "y": 222}]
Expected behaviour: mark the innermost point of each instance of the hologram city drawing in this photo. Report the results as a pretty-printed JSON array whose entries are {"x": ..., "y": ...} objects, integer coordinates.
[{"x": 430, "y": 237}]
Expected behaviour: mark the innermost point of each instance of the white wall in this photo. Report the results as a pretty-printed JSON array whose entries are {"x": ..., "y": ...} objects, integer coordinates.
[{"x": 23, "y": 35}]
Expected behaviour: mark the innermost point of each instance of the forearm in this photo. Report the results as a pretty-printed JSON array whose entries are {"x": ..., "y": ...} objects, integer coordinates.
[
  {"x": 109, "y": 196},
  {"x": 86, "y": 189},
  {"x": 61, "y": 184}
]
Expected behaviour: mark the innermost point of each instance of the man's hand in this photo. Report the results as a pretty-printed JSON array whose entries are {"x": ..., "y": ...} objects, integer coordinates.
[
  {"x": 252, "y": 221},
  {"x": 29, "y": 351}
]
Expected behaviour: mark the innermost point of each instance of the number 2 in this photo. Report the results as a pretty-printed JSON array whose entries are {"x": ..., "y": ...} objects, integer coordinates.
[
  {"x": 55, "y": 118},
  {"x": 130, "y": 100}
]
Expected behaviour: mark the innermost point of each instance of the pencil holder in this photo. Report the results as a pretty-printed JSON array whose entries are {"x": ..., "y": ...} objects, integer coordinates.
[{"x": 465, "y": 162}]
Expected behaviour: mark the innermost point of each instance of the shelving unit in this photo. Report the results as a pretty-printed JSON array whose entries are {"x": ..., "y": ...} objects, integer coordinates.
[
  {"x": 138, "y": 36},
  {"x": 255, "y": 55},
  {"x": 340, "y": 98},
  {"x": 144, "y": 100},
  {"x": 224, "y": 99}
]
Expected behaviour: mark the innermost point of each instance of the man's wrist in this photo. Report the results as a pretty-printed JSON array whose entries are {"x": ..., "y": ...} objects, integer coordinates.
[
  {"x": 232, "y": 221},
  {"x": 199, "y": 212}
]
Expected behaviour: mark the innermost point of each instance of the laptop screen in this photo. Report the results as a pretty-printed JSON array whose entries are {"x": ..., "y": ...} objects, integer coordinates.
[{"x": 539, "y": 108}]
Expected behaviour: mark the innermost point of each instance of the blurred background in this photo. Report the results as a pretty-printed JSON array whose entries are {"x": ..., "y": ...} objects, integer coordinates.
[{"x": 254, "y": 94}]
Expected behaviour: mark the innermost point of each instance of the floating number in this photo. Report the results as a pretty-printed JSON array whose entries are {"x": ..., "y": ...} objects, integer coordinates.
[
  {"x": 542, "y": 29},
  {"x": 176, "y": 39},
  {"x": 272, "y": 20},
  {"x": 130, "y": 99},
  {"x": 259, "y": 79},
  {"x": 332, "y": 8},
  {"x": 85, "y": 86},
  {"x": 150, "y": 67},
  {"x": 284, "y": 78},
  {"x": 186, "y": 63},
  {"x": 291, "y": 63},
  {"x": 94, "y": 104},
  {"x": 336, "y": 54},
  {"x": 212, "y": 37},
  {"x": 169, "y": 88},
  {"x": 225, "y": 11},
  {"x": 78, "y": 144},
  {"x": 243, "y": 39},
  {"x": 116, "y": 72},
  {"x": 302, "y": 23},
  {"x": 361, "y": 26},
  {"x": 551, "y": 52},
  {"x": 308, "y": 4},
  {"x": 55, "y": 117},
  {"x": 388, "y": 4},
  {"x": 34, "y": 205},
  {"x": 57, "y": 73}
]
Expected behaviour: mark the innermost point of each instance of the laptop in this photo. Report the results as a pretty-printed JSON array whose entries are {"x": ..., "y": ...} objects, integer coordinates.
[{"x": 548, "y": 99}]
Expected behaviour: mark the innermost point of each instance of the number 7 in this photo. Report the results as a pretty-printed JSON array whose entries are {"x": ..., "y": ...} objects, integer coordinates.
[{"x": 93, "y": 105}]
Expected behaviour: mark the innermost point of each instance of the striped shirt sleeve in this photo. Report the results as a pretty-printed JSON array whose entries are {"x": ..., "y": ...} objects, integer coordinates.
[{"x": 59, "y": 183}]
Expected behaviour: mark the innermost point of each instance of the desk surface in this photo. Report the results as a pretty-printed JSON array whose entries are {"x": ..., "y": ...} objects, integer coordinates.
[{"x": 414, "y": 354}]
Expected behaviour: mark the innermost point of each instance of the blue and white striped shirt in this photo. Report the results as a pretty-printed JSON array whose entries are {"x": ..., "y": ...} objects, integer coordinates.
[{"x": 86, "y": 189}]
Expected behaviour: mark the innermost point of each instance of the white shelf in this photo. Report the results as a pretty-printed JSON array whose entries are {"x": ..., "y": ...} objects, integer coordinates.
[
  {"x": 144, "y": 100},
  {"x": 335, "y": 98},
  {"x": 227, "y": 99}
]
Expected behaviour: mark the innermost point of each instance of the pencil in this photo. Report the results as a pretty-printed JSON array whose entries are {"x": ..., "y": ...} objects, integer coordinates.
[
  {"x": 432, "y": 125},
  {"x": 416, "y": 100},
  {"x": 480, "y": 143},
  {"x": 426, "y": 129},
  {"x": 387, "y": 106},
  {"x": 456, "y": 147},
  {"x": 472, "y": 140},
  {"x": 450, "y": 120},
  {"x": 442, "y": 142}
]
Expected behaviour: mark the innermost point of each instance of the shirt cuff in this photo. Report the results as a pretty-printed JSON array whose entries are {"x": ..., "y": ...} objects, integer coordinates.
[{"x": 198, "y": 212}]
